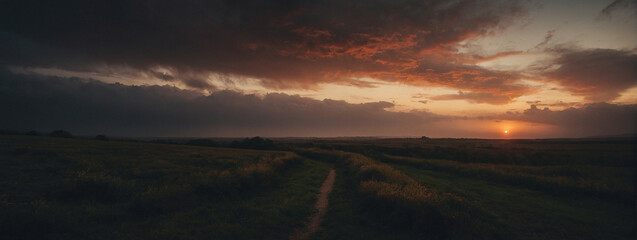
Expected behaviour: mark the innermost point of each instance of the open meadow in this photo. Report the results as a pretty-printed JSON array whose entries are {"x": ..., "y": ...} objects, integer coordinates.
[
  {"x": 301, "y": 119},
  {"x": 70, "y": 188}
]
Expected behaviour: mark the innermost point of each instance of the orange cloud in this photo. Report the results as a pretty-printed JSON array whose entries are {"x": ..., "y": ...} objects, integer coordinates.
[{"x": 297, "y": 44}]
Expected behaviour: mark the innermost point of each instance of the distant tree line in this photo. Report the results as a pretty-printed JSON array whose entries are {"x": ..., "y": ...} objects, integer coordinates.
[
  {"x": 55, "y": 133},
  {"x": 254, "y": 143},
  {"x": 248, "y": 143}
]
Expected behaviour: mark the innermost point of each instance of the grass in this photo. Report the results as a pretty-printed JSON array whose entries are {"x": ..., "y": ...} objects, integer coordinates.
[
  {"x": 594, "y": 152},
  {"x": 347, "y": 218},
  {"x": 535, "y": 214},
  {"x": 54, "y": 188},
  {"x": 397, "y": 201},
  {"x": 612, "y": 183},
  {"x": 566, "y": 199}
]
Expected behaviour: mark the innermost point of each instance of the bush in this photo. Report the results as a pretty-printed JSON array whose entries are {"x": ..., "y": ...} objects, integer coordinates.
[
  {"x": 254, "y": 143},
  {"x": 203, "y": 142},
  {"x": 101, "y": 137},
  {"x": 32, "y": 133},
  {"x": 61, "y": 134}
]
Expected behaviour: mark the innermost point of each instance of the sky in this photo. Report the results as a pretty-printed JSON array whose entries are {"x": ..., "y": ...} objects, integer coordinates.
[{"x": 280, "y": 68}]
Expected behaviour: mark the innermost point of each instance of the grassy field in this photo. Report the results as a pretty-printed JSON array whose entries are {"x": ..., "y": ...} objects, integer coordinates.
[
  {"x": 483, "y": 189},
  {"x": 52, "y": 188},
  {"x": 59, "y": 188}
]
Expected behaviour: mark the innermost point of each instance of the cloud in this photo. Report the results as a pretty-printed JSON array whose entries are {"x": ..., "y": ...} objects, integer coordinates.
[
  {"x": 555, "y": 104},
  {"x": 474, "y": 98},
  {"x": 501, "y": 85},
  {"x": 198, "y": 83},
  {"x": 91, "y": 107},
  {"x": 616, "y": 5},
  {"x": 162, "y": 75},
  {"x": 595, "y": 119},
  {"x": 478, "y": 59},
  {"x": 86, "y": 107},
  {"x": 547, "y": 38},
  {"x": 595, "y": 74},
  {"x": 286, "y": 44},
  {"x": 420, "y": 95}
]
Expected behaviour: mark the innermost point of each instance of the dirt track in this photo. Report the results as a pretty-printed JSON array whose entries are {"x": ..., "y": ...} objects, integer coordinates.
[{"x": 314, "y": 221}]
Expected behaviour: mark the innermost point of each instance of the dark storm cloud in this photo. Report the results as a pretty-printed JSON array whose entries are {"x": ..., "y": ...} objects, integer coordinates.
[
  {"x": 596, "y": 74},
  {"x": 594, "y": 119},
  {"x": 19, "y": 51},
  {"x": 287, "y": 44},
  {"x": 90, "y": 107}
]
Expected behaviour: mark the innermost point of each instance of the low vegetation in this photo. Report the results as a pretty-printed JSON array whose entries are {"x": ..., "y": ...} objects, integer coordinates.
[
  {"x": 612, "y": 183},
  {"x": 580, "y": 195},
  {"x": 400, "y": 202},
  {"x": 74, "y": 188},
  {"x": 58, "y": 188},
  {"x": 617, "y": 152}
]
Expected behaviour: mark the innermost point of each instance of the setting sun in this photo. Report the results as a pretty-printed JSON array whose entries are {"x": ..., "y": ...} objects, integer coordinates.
[{"x": 506, "y": 131}]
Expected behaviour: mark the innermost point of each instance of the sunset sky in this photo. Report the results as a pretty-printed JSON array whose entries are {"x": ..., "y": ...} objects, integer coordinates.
[{"x": 392, "y": 68}]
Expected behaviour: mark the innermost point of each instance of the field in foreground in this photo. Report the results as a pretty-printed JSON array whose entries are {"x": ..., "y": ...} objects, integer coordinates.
[
  {"x": 54, "y": 188},
  {"x": 85, "y": 189}
]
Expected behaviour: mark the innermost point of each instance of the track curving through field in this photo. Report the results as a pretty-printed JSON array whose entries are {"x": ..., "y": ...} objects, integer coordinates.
[{"x": 314, "y": 221}]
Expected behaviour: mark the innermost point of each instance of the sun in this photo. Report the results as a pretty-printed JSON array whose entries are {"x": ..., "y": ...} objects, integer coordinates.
[{"x": 506, "y": 131}]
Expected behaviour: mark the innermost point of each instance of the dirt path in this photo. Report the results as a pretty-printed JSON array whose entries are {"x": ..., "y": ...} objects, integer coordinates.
[{"x": 314, "y": 221}]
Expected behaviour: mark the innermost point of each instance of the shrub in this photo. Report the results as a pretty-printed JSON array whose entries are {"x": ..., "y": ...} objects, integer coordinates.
[
  {"x": 101, "y": 137},
  {"x": 202, "y": 142},
  {"x": 61, "y": 134},
  {"x": 32, "y": 133},
  {"x": 254, "y": 143}
]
